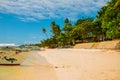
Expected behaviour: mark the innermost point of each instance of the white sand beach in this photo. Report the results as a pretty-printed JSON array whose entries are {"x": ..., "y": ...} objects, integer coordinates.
[{"x": 66, "y": 64}]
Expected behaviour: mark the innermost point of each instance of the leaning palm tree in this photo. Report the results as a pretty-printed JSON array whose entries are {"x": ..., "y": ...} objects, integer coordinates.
[
  {"x": 44, "y": 31},
  {"x": 117, "y": 4}
]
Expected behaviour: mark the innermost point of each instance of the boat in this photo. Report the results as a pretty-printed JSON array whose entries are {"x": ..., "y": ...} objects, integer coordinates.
[{"x": 12, "y": 56}]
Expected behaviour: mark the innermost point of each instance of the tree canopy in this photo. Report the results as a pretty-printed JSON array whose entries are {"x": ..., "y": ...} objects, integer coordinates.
[{"x": 105, "y": 26}]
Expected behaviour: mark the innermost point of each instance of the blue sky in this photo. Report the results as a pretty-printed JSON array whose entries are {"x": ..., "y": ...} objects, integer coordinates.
[{"x": 21, "y": 21}]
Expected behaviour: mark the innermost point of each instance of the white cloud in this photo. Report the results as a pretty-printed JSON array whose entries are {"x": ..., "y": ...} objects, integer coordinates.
[
  {"x": 45, "y": 9},
  {"x": 5, "y": 44},
  {"x": 31, "y": 42},
  {"x": 27, "y": 19}
]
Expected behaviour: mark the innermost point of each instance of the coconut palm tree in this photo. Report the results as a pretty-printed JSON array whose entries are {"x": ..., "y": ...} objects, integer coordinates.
[
  {"x": 44, "y": 31},
  {"x": 117, "y": 4}
]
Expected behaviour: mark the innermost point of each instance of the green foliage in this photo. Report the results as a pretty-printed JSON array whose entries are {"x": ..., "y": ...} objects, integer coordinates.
[
  {"x": 83, "y": 28},
  {"x": 67, "y": 28},
  {"x": 44, "y": 31},
  {"x": 55, "y": 29},
  {"x": 110, "y": 19},
  {"x": 106, "y": 25}
]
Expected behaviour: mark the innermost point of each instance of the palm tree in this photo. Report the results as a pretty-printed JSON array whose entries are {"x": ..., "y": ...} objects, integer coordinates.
[
  {"x": 117, "y": 4},
  {"x": 53, "y": 24},
  {"x": 44, "y": 31},
  {"x": 67, "y": 28}
]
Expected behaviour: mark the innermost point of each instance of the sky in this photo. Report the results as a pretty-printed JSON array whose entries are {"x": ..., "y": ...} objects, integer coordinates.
[{"x": 21, "y": 21}]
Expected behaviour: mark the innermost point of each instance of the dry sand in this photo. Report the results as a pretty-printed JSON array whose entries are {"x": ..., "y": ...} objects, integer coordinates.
[
  {"x": 66, "y": 64},
  {"x": 114, "y": 44}
]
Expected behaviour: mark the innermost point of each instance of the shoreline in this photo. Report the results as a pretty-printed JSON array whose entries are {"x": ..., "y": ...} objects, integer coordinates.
[{"x": 66, "y": 64}]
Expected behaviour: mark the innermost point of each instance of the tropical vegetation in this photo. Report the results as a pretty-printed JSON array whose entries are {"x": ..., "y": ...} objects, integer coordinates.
[{"x": 105, "y": 26}]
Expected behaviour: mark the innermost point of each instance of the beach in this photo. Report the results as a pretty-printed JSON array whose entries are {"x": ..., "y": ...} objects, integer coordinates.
[{"x": 66, "y": 64}]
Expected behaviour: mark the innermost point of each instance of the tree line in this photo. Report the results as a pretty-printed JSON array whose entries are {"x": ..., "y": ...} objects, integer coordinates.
[{"x": 106, "y": 26}]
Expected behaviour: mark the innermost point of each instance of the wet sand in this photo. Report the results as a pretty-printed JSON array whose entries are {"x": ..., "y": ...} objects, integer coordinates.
[{"x": 66, "y": 64}]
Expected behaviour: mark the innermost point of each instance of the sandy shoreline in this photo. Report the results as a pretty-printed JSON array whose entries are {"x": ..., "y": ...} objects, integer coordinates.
[{"x": 66, "y": 64}]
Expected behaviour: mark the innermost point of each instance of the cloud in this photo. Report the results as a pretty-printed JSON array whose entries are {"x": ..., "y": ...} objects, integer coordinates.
[
  {"x": 27, "y": 19},
  {"x": 5, "y": 44},
  {"x": 34, "y": 10},
  {"x": 40, "y": 36},
  {"x": 31, "y": 42}
]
